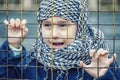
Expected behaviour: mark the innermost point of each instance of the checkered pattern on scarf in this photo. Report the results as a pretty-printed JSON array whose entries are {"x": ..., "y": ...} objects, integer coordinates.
[{"x": 70, "y": 56}]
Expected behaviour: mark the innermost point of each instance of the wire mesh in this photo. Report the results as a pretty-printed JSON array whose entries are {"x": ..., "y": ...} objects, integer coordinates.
[{"x": 106, "y": 20}]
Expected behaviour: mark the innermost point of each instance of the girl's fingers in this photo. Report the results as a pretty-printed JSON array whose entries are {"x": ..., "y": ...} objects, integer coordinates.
[
  {"x": 105, "y": 53},
  {"x": 23, "y": 26},
  {"x": 25, "y": 31},
  {"x": 23, "y": 22},
  {"x": 113, "y": 58},
  {"x": 16, "y": 25},
  {"x": 82, "y": 64},
  {"x": 17, "y": 22},
  {"x": 12, "y": 23},
  {"x": 99, "y": 52},
  {"x": 92, "y": 52},
  {"x": 6, "y": 22}
]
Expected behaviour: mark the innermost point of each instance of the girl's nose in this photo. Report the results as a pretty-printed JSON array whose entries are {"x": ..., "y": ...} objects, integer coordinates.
[{"x": 55, "y": 32}]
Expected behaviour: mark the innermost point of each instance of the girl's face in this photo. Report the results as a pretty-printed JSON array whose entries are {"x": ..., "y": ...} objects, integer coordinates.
[{"x": 57, "y": 32}]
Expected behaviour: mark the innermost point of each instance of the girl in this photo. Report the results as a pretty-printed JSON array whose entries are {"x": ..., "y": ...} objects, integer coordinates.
[{"x": 67, "y": 48}]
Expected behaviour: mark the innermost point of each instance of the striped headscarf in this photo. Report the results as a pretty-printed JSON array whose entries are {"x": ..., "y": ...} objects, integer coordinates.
[{"x": 70, "y": 56}]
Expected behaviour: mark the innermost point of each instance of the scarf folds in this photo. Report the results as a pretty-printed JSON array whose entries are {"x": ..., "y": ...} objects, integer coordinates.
[{"x": 70, "y": 56}]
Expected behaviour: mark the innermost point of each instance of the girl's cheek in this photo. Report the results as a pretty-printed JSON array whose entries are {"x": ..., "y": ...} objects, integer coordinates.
[{"x": 46, "y": 33}]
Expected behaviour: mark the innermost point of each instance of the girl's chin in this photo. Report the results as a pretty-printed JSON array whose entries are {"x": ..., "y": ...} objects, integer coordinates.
[{"x": 58, "y": 46}]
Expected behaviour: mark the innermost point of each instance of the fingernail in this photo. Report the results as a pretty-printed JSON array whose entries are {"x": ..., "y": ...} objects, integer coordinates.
[
  {"x": 24, "y": 22},
  {"x": 92, "y": 51},
  {"x": 12, "y": 22},
  {"x": 5, "y": 22}
]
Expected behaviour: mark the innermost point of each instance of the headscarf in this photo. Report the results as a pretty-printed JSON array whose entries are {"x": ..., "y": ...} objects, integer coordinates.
[{"x": 70, "y": 56}]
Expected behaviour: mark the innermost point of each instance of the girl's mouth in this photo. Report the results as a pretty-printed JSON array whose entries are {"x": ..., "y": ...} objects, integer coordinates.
[{"x": 57, "y": 43}]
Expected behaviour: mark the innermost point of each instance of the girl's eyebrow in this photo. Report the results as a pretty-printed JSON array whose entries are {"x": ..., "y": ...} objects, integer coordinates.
[
  {"x": 59, "y": 22},
  {"x": 47, "y": 21}
]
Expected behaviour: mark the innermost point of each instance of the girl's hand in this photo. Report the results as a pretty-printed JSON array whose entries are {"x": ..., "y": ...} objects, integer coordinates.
[
  {"x": 100, "y": 63},
  {"x": 17, "y": 31}
]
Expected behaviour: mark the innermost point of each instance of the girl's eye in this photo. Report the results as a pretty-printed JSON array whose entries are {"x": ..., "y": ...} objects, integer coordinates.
[
  {"x": 47, "y": 24},
  {"x": 63, "y": 25}
]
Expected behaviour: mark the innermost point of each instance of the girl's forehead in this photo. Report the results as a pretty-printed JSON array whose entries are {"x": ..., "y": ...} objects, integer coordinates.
[{"x": 56, "y": 19}]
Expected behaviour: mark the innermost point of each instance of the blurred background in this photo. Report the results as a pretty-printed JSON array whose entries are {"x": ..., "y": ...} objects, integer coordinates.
[{"x": 103, "y": 14}]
